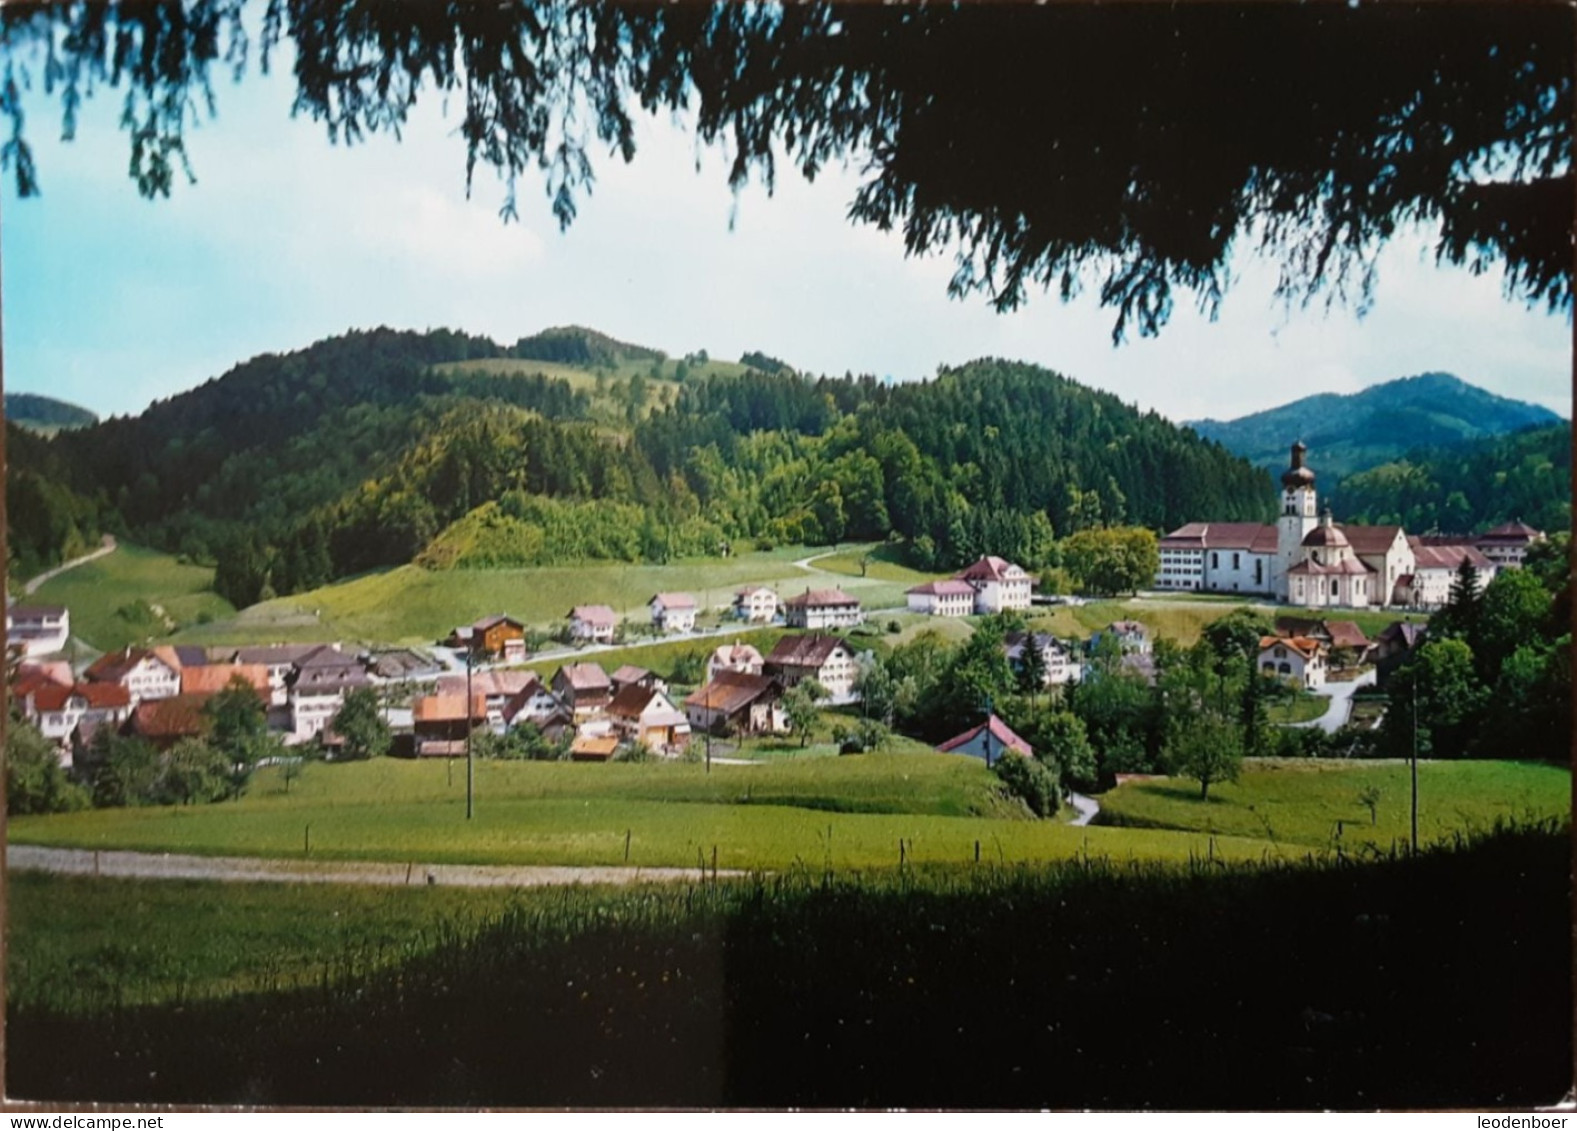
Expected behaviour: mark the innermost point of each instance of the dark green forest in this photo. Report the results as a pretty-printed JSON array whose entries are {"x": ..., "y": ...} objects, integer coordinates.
[{"x": 294, "y": 469}]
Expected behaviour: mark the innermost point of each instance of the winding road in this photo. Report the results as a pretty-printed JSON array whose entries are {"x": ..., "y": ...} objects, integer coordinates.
[
  {"x": 107, "y": 547},
  {"x": 1340, "y": 709}
]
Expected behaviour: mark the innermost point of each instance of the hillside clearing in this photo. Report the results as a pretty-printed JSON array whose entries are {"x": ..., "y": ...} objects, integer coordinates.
[{"x": 115, "y": 600}]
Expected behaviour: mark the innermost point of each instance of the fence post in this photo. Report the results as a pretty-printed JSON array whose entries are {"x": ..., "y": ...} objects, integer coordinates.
[
  {"x": 626, "y": 846},
  {"x": 900, "y": 853},
  {"x": 306, "y": 841}
]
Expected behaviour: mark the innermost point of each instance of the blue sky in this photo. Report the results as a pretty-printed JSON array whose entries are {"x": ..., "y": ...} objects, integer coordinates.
[{"x": 112, "y": 301}]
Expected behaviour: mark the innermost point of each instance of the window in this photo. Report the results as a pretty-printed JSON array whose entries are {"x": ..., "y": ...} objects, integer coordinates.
[
  {"x": 1259, "y": 571},
  {"x": 1237, "y": 561},
  {"x": 1333, "y": 587},
  {"x": 1215, "y": 560}
]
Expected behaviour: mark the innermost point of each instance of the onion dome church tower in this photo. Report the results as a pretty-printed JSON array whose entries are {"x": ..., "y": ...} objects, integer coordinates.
[{"x": 1297, "y": 518}]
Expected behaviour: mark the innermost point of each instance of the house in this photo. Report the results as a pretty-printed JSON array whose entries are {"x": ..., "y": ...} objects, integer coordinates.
[
  {"x": 56, "y": 711},
  {"x": 1130, "y": 636},
  {"x": 210, "y": 679},
  {"x": 998, "y": 585},
  {"x": 756, "y": 604},
  {"x": 823, "y": 608},
  {"x": 1334, "y": 634},
  {"x": 583, "y": 688},
  {"x": 164, "y": 722},
  {"x": 144, "y": 673},
  {"x": 1506, "y": 546},
  {"x": 988, "y": 741},
  {"x": 1393, "y": 647},
  {"x": 644, "y": 714},
  {"x": 42, "y": 671},
  {"x": 1435, "y": 567},
  {"x": 499, "y": 635},
  {"x": 532, "y": 702},
  {"x": 826, "y": 659},
  {"x": 316, "y": 689},
  {"x": 948, "y": 598},
  {"x": 280, "y": 660},
  {"x": 1061, "y": 663},
  {"x": 593, "y": 622},
  {"x": 497, "y": 688},
  {"x": 593, "y": 748},
  {"x": 737, "y": 702},
  {"x": 629, "y": 675},
  {"x": 402, "y": 664},
  {"x": 1296, "y": 658},
  {"x": 441, "y": 724},
  {"x": 673, "y": 612},
  {"x": 37, "y": 630},
  {"x": 734, "y": 657}
]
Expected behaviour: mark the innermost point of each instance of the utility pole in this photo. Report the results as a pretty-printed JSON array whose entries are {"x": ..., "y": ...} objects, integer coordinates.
[
  {"x": 1414, "y": 761},
  {"x": 470, "y": 764}
]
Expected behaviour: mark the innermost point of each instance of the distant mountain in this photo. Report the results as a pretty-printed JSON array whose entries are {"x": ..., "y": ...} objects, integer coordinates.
[
  {"x": 1347, "y": 433},
  {"x": 45, "y": 414},
  {"x": 576, "y": 345}
]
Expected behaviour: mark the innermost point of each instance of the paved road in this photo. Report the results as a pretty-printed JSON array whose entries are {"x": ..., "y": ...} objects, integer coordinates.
[
  {"x": 155, "y": 866},
  {"x": 1087, "y": 807},
  {"x": 108, "y": 547},
  {"x": 1340, "y": 709}
]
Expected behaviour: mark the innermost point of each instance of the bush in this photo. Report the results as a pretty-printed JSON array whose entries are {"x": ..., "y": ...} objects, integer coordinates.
[
  {"x": 638, "y": 752},
  {"x": 894, "y": 627},
  {"x": 1031, "y": 781}
]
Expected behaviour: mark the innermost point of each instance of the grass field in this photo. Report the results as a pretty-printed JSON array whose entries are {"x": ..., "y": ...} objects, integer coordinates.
[
  {"x": 408, "y": 605},
  {"x": 97, "y": 592},
  {"x": 1184, "y": 619},
  {"x": 850, "y": 812},
  {"x": 1301, "y": 708},
  {"x": 598, "y": 385},
  {"x": 1301, "y": 802}
]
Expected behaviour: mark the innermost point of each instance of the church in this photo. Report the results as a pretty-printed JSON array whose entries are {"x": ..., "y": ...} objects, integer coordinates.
[{"x": 1306, "y": 559}]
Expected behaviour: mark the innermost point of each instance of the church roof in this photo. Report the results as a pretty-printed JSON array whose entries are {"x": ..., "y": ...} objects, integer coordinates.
[
  {"x": 1297, "y": 475},
  {"x": 1255, "y": 537},
  {"x": 1326, "y": 534},
  {"x": 1370, "y": 539},
  {"x": 1335, "y": 569},
  {"x": 1513, "y": 532}
]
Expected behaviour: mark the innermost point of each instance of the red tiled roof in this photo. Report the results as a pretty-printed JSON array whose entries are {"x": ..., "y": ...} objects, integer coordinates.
[
  {"x": 447, "y": 708},
  {"x": 988, "y": 568},
  {"x": 821, "y": 598},
  {"x": 180, "y": 716},
  {"x": 808, "y": 651},
  {"x": 950, "y": 587},
  {"x": 99, "y": 696},
  {"x": 585, "y": 677},
  {"x": 629, "y": 673},
  {"x": 210, "y": 679},
  {"x": 599, "y": 615},
  {"x": 1255, "y": 537},
  {"x": 488, "y": 683},
  {"x": 733, "y": 654},
  {"x": 999, "y": 731},
  {"x": 1511, "y": 532},
  {"x": 1346, "y": 634},
  {"x": 674, "y": 600},
  {"x": 1302, "y": 645},
  {"x": 1315, "y": 569},
  {"x": 1449, "y": 557},
  {"x": 112, "y": 667},
  {"x": 1369, "y": 539},
  {"x": 730, "y": 692}
]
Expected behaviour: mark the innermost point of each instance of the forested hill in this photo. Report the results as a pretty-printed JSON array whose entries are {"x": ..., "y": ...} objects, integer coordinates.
[
  {"x": 376, "y": 448},
  {"x": 1469, "y": 487},
  {"x": 45, "y": 414},
  {"x": 1347, "y": 433}
]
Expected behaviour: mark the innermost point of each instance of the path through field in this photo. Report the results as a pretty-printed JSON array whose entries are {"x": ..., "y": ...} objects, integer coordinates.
[
  {"x": 1340, "y": 709},
  {"x": 108, "y": 547},
  {"x": 167, "y": 866},
  {"x": 1086, "y": 807}
]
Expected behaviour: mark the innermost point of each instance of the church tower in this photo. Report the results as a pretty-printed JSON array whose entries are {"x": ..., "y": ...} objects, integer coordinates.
[{"x": 1298, "y": 516}]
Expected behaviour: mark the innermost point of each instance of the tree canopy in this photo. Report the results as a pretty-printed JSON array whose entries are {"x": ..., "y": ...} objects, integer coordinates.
[{"x": 1127, "y": 148}]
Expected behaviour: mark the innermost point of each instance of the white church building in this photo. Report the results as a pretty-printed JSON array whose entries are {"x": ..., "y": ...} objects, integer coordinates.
[{"x": 1307, "y": 559}]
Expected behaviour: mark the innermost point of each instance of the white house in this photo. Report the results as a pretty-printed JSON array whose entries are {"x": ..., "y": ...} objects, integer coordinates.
[
  {"x": 1506, "y": 546},
  {"x": 826, "y": 659},
  {"x": 644, "y": 714},
  {"x": 145, "y": 674},
  {"x": 1434, "y": 568},
  {"x": 1062, "y": 663},
  {"x": 593, "y": 622},
  {"x": 998, "y": 584},
  {"x": 673, "y": 612},
  {"x": 734, "y": 657},
  {"x": 823, "y": 608},
  {"x": 316, "y": 689},
  {"x": 737, "y": 701},
  {"x": 988, "y": 742},
  {"x": 756, "y": 604},
  {"x": 37, "y": 630},
  {"x": 57, "y": 710},
  {"x": 948, "y": 598},
  {"x": 1293, "y": 658}
]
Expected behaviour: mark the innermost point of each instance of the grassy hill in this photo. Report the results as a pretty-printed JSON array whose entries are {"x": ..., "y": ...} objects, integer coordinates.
[
  {"x": 1351, "y": 432},
  {"x": 133, "y": 595}
]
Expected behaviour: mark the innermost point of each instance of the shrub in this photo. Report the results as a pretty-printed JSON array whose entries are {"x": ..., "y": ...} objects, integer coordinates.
[{"x": 1031, "y": 781}]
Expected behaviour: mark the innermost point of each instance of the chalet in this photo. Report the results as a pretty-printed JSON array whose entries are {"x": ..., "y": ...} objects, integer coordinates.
[
  {"x": 737, "y": 702},
  {"x": 210, "y": 679},
  {"x": 823, "y": 608},
  {"x": 998, "y": 584},
  {"x": 1296, "y": 658},
  {"x": 37, "y": 630},
  {"x": 644, "y": 714},
  {"x": 500, "y": 636},
  {"x": 1506, "y": 546},
  {"x": 826, "y": 659},
  {"x": 57, "y": 710},
  {"x": 734, "y": 657},
  {"x": 583, "y": 688},
  {"x": 988, "y": 741},
  {"x": 756, "y": 604},
  {"x": 673, "y": 612},
  {"x": 316, "y": 689},
  {"x": 630, "y": 675},
  {"x": 442, "y": 723},
  {"x": 533, "y": 702},
  {"x": 144, "y": 674},
  {"x": 280, "y": 660},
  {"x": 1334, "y": 634},
  {"x": 1060, "y": 662},
  {"x": 593, "y": 622},
  {"x": 948, "y": 598},
  {"x": 497, "y": 688},
  {"x": 164, "y": 722}
]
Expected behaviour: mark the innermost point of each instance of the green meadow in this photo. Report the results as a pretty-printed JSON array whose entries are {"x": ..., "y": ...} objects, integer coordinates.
[
  {"x": 104, "y": 594},
  {"x": 1317, "y": 803}
]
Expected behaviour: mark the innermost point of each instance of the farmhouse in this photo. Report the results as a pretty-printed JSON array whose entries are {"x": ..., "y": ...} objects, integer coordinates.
[
  {"x": 164, "y": 722},
  {"x": 534, "y": 703},
  {"x": 998, "y": 585},
  {"x": 757, "y": 604},
  {"x": 595, "y": 623},
  {"x": 145, "y": 674},
  {"x": 584, "y": 688},
  {"x": 734, "y": 657},
  {"x": 441, "y": 724},
  {"x": 644, "y": 714},
  {"x": 737, "y": 702},
  {"x": 1296, "y": 658},
  {"x": 499, "y": 635},
  {"x": 1061, "y": 662},
  {"x": 826, "y": 659},
  {"x": 495, "y": 687},
  {"x": 673, "y": 612},
  {"x": 37, "y": 630},
  {"x": 631, "y": 675},
  {"x": 988, "y": 741},
  {"x": 823, "y": 608},
  {"x": 280, "y": 660},
  {"x": 949, "y": 598},
  {"x": 316, "y": 689},
  {"x": 56, "y": 711}
]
